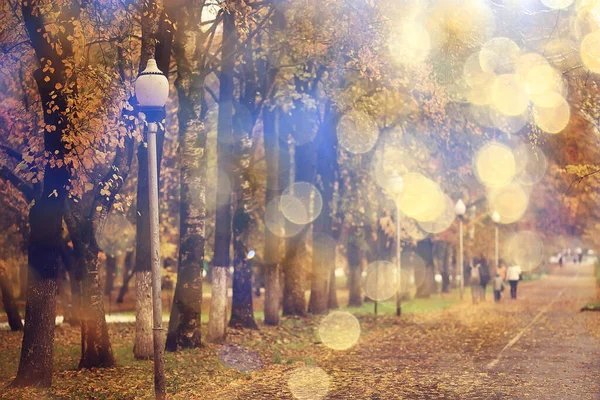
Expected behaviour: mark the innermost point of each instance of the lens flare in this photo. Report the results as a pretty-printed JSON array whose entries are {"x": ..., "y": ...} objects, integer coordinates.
[
  {"x": 381, "y": 280},
  {"x": 276, "y": 221},
  {"x": 357, "y": 132},
  {"x": 409, "y": 43},
  {"x": 557, "y": 4},
  {"x": 509, "y": 94},
  {"x": 590, "y": 51},
  {"x": 301, "y": 203},
  {"x": 443, "y": 221},
  {"x": 526, "y": 249},
  {"x": 499, "y": 55},
  {"x": 309, "y": 383},
  {"x": 554, "y": 118},
  {"x": 531, "y": 164},
  {"x": 495, "y": 165},
  {"x": 339, "y": 330},
  {"x": 510, "y": 202},
  {"x": 420, "y": 198}
]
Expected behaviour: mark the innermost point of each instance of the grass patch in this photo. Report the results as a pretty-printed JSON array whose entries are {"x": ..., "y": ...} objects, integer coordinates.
[{"x": 594, "y": 306}]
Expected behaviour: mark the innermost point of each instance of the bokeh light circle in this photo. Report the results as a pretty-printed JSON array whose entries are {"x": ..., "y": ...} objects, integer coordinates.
[
  {"x": 381, "y": 280},
  {"x": 309, "y": 383},
  {"x": 509, "y": 123},
  {"x": 531, "y": 164},
  {"x": 443, "y": 221},
  {"x": 339, "y": 330},
  {"x": 557, "y": 4},
  {"x": 420, "y": 197},
  {"x": 499, "y": 55},
  {"x": 415, "y": 269},
  {"x": 555, "y": 118},
  {"x": 357, "y": 132},
  {"x": 495, "y": 165},
  {"x": 276, "y": 221},
  {"x": 590, "y": 51},
  {"x": 510, "y": 202},
  {"x": 509, "y": 94},
  {"x": 301, "y": 203},
  {"x": 526, "y": 249},
  {"x": 409, "y": 43}
]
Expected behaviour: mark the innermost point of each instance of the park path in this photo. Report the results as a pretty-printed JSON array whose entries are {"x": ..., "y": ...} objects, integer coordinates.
[{"x": 539, "y": 346}]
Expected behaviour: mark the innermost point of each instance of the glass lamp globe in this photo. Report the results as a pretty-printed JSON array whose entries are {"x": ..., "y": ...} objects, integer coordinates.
[
  {"x": 395, "y": 184},
  {"x": 496, "y": 217},
  {"x": 151, "y": 87},
  {"x": 460, "y": 208}
]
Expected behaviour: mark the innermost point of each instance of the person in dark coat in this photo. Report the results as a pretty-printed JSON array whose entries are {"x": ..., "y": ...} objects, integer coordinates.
[{"x": 484, "y": 275}]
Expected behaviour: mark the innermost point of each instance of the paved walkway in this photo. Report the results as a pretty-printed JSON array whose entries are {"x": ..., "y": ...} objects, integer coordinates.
[{"x": 539, "y": 346}]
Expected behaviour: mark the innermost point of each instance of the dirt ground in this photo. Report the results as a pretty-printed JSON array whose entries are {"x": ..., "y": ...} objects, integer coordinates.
[{"x": 539, "y": 346}]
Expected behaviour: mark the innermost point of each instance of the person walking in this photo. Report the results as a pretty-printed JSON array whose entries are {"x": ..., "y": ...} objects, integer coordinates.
[
  {"x": 498, "y": 286},
  {"x": 579, "y": 254},
  {"x": 502, "y": 269},
  {"x": 484, "y": 276},
  {"x": 475, "y": 281},
  {"x": 513, "y": 275}
]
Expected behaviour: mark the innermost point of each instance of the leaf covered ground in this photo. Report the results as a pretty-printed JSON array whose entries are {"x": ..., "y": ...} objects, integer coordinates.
[{"x": 539, "y": 347}]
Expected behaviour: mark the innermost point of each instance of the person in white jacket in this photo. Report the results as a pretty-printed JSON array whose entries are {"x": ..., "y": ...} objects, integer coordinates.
[{"x": 513, "y": 274}]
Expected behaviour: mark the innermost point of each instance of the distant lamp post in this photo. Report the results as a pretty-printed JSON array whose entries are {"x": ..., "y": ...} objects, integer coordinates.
[
  {"x": 460, "y": 209},
  {"x": 152, "y": 92},
  {"x": 496, "y": 219},
  {"x": 396, "y": 185}
]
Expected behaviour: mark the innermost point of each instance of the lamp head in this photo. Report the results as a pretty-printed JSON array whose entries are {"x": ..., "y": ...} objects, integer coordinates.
[
  {"x": 151, "y": 88},
  {"x": 496, "y": 217},
  {"x": 395, "y": 183},
  {"x": 460, "y": 208}
]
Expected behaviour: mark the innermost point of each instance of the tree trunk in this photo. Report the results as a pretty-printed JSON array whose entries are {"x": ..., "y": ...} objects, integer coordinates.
[
  {"x": 23, "y": 281},
  {"x": 271, "y": 255},
  {"x": 185, "y": 319},
  {"x": 356, "y": 257},
  {"x": 128, "y": 273},
  {"x": 221, "y": 258},
  {"x": 45, "y": 217},
  {"x": 446, "y": 266},
  {"x": 425, "y": 277},
  {"x": 68, "y": 260},
  {"x": 10, "y": 306},
  {"x": 111, "y": 272},
  {"x": 96, "y": 351},
  {"x": 323, "y": 260}
]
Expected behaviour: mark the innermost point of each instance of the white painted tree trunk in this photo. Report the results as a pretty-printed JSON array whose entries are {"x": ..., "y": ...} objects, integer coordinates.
[
  {"x": 217, "y": 318},
  {"x": 143, "y": 347}
]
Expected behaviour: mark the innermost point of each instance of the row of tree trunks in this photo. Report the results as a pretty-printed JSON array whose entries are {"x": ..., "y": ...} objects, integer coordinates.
[{"x": 185, "y": 319}]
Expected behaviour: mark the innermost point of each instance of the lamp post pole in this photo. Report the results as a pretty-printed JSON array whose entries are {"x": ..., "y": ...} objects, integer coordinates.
[
  {"x": 496, "y": 219},
  {"x": 460, "y": 210},
  {"x": 398, "y": 261},
  {"x": 157, "y": 329},
  {"x": 152, "y": 92},
  {"x": 395, "y": 186}
]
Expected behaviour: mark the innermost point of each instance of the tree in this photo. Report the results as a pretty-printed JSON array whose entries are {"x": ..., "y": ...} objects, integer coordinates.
[
  {"x": 221, "y": 259},
  {"x": 190, "y": 53}
]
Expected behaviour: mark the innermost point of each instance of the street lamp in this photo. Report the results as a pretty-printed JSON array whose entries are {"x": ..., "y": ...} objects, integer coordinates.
[
  {"x": 152, "y": 92},
  {"x": 396, "y": 185},
  {"x": 460, "y": 209},
  {"x": 496, "y": 219}
]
